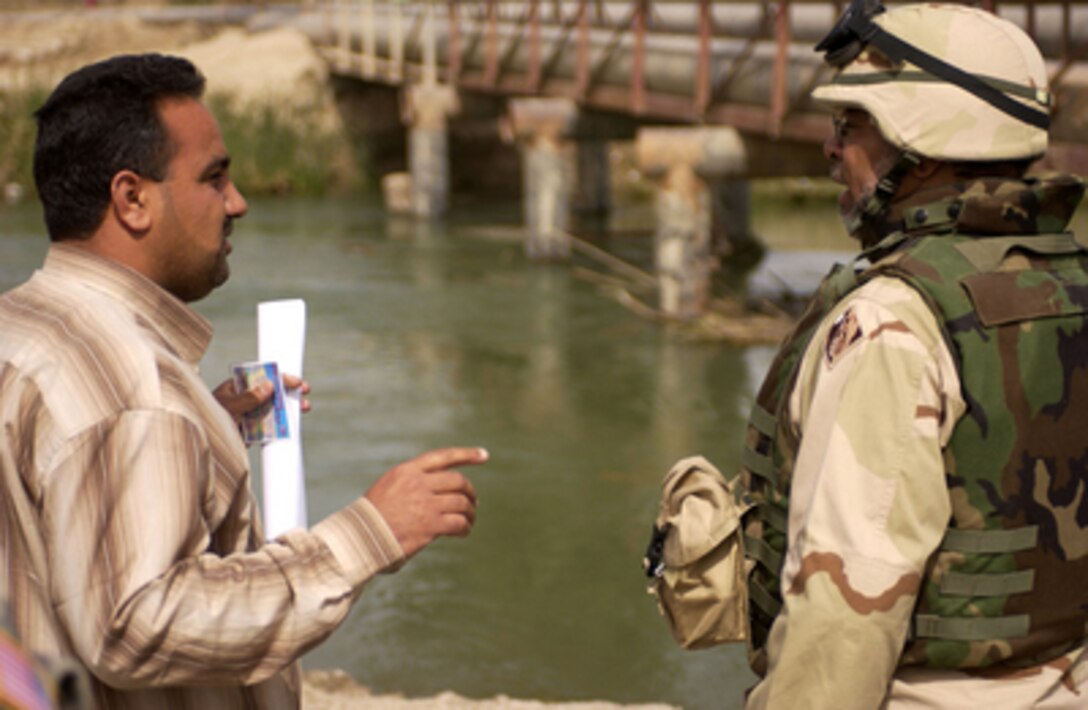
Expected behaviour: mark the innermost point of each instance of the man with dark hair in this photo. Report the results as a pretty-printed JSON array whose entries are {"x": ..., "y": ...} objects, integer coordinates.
[
  {"x": 129, "y": 535},
  {"x": 81, "y": 144}
]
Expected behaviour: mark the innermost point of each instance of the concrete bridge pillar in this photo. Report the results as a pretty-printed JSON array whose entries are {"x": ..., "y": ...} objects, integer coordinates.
[
  {"x": 682, "y": 161},
  {"x": 541, "y": 128},
  {"x": 427, "y": 108}
]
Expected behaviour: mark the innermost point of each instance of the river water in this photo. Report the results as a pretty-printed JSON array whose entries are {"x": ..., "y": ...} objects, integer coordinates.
[{"x": 423, "y": 335}]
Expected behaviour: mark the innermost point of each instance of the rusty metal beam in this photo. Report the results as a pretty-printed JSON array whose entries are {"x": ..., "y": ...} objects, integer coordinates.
[
  {"x": 702, "y": 66},
  {"x": 453, "y": 45},
  {"x": 512, "y": 47},
  {"x": 638, "y": 70},
  {"x": 557, "y": 51},
  {"x": 1067, "y": 31},
  {"x": 491, "y": 41},
  {"x": 610, "y": 49},
  {"x": 722, "y": 85},
  {"x": 779, "y": 77},
  {"x": 533, "y": 75},
  {"x": 581, "y": 71}
]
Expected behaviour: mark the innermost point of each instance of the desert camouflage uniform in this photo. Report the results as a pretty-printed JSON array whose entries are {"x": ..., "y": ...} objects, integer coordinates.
[{"x": 855, "y": 496}]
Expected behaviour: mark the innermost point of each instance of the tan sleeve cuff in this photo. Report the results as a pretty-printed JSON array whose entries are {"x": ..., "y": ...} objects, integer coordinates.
[{"x": 361, "y": 541}]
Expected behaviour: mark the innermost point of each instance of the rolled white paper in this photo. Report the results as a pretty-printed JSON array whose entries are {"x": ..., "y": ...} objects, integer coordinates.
[{"x": 281, "y": 338}]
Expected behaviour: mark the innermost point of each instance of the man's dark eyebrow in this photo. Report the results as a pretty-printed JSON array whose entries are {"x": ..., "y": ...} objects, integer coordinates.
[{"x": 216, "y": 165}]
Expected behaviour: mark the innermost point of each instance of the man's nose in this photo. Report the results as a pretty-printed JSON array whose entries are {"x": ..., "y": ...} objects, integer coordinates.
[
  {"x": 236, "y": 203},
  {"x": 832, "y": 148}
]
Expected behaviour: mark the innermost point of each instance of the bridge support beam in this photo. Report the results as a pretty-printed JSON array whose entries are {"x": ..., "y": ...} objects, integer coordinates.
[
  {"x": 541, "y": 128},
  {"x": 565, "y": 165},
  {"x": 427, "y": 108},
  {"x": 682, "y": 161}
]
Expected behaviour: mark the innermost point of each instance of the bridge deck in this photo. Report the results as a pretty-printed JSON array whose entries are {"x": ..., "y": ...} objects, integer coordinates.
[{"x": 745, "y": 64}]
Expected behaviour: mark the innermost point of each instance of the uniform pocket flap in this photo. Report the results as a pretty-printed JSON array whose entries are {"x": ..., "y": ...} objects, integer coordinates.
[
  {"x": 700, "y": 509},
  {"x": 1003, "y": 297}
]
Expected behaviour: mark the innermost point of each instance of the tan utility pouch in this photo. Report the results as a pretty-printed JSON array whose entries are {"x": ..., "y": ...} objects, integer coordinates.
[{"x": 696, "y": 556}]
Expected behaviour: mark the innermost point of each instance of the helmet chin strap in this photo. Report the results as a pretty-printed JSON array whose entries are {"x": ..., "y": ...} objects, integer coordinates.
[{"x": 867, "y": 221}]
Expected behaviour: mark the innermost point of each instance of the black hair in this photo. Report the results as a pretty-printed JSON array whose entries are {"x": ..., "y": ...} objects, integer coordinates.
[{"x": 102, "y": 119}]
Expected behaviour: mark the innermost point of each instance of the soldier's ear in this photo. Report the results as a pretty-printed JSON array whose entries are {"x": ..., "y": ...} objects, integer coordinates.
[{"x": 927, "y": 168}]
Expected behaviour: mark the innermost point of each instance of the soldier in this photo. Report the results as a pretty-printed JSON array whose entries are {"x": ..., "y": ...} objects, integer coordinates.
[{"x": 918, "y": 453}]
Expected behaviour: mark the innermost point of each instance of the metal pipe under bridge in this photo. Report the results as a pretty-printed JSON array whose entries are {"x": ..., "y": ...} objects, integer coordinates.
[{"x": 713, "y": 92}]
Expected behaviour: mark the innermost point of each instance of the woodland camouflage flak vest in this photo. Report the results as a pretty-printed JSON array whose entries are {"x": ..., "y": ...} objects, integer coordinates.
[{"x": 1008, "y": 582}]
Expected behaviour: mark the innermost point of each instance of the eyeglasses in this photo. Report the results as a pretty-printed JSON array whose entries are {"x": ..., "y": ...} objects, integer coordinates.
[
  {"x": 838, "y": 123},
  {"x": 843, "y": 124}
]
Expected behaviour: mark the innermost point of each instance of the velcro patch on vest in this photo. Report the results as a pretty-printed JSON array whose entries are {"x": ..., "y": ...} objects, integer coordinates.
[{"x": 845, "y": 331}]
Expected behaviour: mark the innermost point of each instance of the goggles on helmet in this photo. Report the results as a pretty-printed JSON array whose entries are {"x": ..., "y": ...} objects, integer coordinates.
[
  {"x": 850, "y": 34},
  {"x": 856, "y": 30}
]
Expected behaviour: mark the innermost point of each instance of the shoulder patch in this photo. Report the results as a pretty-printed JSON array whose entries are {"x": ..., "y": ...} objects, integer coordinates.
[{"x": 845, "y": 331}]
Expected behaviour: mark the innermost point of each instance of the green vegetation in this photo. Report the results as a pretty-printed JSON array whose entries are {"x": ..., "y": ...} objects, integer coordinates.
[
  {"x": 17, "y": 136},
  {"x": 285, "y": 149},
  {"x": 274, "y": 149},
  {"x": 786, "y": 192}
]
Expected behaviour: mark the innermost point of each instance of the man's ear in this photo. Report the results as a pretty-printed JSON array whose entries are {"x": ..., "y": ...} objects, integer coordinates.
[
  {"x": 129, "y": 201},
  {"x": 926, "y": 168}
]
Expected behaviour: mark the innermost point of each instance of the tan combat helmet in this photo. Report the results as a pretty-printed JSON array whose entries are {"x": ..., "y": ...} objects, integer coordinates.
[{"x": 942, "y": 81}]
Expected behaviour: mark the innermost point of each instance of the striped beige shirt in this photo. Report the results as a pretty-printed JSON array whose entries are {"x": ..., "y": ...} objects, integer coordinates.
[{"x": 129, "y": 535}]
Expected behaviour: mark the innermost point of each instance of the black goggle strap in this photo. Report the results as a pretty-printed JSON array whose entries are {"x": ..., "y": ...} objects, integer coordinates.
[
  {"x": 1039, "y": 96},
  {"x": 897, "y": 50}
]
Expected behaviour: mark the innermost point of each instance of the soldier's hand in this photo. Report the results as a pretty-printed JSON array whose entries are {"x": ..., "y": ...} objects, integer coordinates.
[{"x": 425, "y": 498}]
